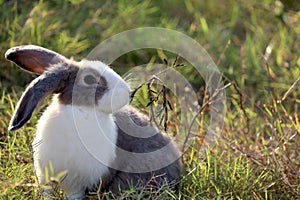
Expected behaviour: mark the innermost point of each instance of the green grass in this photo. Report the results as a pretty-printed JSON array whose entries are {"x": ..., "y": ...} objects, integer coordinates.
[{"x": 255, "y": 45}]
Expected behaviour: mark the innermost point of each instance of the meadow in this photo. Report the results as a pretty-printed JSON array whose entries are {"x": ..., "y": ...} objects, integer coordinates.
[{"x": 255, "y": 45}]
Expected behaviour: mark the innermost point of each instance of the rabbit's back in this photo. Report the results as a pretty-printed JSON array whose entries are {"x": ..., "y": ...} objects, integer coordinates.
[{"x": 149, "y": 161}]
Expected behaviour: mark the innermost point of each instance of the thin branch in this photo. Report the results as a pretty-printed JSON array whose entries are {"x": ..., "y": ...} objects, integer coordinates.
[{"x": 292, "y": 87}]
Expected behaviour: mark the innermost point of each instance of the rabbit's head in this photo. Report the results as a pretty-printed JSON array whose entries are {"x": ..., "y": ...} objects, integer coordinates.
[{"x": 86, "y": 83}]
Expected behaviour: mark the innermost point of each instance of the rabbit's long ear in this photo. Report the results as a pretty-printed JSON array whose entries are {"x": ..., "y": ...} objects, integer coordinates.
[
  {"x": 33, "y": 58},
  {"x": 34, "y": 94}
]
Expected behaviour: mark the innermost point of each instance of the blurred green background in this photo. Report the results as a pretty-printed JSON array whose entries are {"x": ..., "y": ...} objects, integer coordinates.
[{"x": 263, "y": 35}]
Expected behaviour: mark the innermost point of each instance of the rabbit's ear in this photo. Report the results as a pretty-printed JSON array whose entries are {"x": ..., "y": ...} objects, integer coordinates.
[
  {"x": 33, "y": 58},
  {"x": 34, "y": 94}
]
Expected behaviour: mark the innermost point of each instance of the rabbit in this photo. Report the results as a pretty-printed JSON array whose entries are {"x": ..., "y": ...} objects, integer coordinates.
[{"x": 88, "y": 132}]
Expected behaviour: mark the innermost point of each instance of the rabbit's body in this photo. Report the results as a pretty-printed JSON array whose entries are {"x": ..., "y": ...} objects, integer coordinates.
[
  {"x": 88, "y": 134},
  {"x": 153, "y": 156},
  {"x": 58, "y": 145}
]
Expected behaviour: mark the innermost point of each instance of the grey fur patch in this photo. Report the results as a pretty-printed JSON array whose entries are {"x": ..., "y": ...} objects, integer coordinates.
[
  {"x": 119, "y": 180},
  {"x": 34, "y": 94},
  {"x": 73, "y": 89},
  {"x": 65, "y": 79}
]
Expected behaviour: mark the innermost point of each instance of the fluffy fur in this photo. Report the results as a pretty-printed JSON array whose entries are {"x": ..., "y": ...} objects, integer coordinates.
[
  {"x": 86, "y": 133},
  {"x": 67, "y": 140}
]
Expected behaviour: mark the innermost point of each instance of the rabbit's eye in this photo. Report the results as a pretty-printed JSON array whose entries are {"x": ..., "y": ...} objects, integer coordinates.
[{"x": 90, "y": 80}]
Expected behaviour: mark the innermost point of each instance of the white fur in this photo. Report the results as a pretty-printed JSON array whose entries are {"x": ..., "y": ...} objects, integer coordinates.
[
  {"x": 118, "y": 90},
  {"x": 80, "y": 140},
  {"x": 70, "y": 139}
]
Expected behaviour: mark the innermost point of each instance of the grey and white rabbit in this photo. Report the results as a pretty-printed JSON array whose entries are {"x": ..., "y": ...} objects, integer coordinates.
[{"x": 88, "y": 131}]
